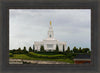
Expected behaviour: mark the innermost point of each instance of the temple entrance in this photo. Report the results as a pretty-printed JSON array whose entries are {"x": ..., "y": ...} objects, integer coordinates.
[{"x": 49, "y": 46}]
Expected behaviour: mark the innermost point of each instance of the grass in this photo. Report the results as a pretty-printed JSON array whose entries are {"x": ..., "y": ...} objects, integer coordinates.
[
  {"x": 43, "y": 57},
  {"x": 21, "y": 56}
]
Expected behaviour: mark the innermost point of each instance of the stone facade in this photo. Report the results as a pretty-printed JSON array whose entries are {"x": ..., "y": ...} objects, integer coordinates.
[{"x": 50, "y": 43}]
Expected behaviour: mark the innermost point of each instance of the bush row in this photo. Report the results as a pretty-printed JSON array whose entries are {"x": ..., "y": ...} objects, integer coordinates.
[{"x": 58, "y": 56}]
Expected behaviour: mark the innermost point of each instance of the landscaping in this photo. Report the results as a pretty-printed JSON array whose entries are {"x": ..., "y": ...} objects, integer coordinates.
[
  {"x": 42, "y": 55},
  {"x": 35, "y": 56}
]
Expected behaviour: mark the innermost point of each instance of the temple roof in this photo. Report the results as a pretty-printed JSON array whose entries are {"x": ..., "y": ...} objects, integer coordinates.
[{"x": 50, "y": 39}]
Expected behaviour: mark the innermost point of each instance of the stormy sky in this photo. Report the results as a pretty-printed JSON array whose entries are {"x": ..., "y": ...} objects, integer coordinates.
[{"x": 70, "y": 25}]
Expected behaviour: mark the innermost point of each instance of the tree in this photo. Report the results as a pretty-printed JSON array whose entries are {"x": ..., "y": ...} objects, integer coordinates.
[
  {"x": 85, "y": 50},
  {"x": 19, "y": 51},
  {"x": 16, "y": 51},
  {"x": 63, "y": 48},
  {"x": 13, "y": 51},
  {"x": 42, "y": 49},
  {"x": 80, "y": 50},
  {"x": 30, "y": 49},
  {"x": 71, "y": 51},
  {"x": 89, "y": 52},
  {"x": 33, "y": 48},
  {"x": 24, "y": 50},
  {"x": 10, "y": 51},
  {"x": 57, "y": 49},
  {"x": 68, "y": 50},
  {"x": 75, "y": 50}
]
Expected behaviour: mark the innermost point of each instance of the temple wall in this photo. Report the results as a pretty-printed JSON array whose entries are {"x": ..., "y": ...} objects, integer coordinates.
[{"x": 51, "y": 42}]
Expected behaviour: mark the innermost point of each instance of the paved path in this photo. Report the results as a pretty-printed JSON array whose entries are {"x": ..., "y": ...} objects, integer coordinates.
[{"x": 11, "y": 61}]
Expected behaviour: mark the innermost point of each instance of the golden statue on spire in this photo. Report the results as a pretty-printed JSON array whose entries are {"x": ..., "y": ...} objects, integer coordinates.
[{"x": 50, "y": 23}]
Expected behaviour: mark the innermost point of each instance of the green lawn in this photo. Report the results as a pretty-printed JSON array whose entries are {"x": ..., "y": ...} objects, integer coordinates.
[{"x": 45, "y": 57}]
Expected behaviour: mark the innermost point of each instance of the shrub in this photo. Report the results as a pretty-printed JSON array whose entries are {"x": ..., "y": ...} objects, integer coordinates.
[
  {"x": 42, "y": 49},
  {"x": 58, "y": 56},
  {"x": 10, "y": 54}
]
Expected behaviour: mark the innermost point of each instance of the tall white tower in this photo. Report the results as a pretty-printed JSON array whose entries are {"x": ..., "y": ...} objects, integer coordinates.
[
  {"x": 50, "y": 32},
  {"x": 50, "y": 42}
]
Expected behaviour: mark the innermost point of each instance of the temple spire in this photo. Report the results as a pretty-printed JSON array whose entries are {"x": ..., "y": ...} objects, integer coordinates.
[
  {"x": 50, "y": 23},
  {"x": 50, "y": 32}
]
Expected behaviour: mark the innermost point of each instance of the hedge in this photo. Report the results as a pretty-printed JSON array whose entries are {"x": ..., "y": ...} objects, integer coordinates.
[{"x": 35, "y": 55}]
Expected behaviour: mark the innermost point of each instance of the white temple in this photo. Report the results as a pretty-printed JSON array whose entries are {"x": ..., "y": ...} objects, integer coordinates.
[{"x": 50, "y": 43}]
